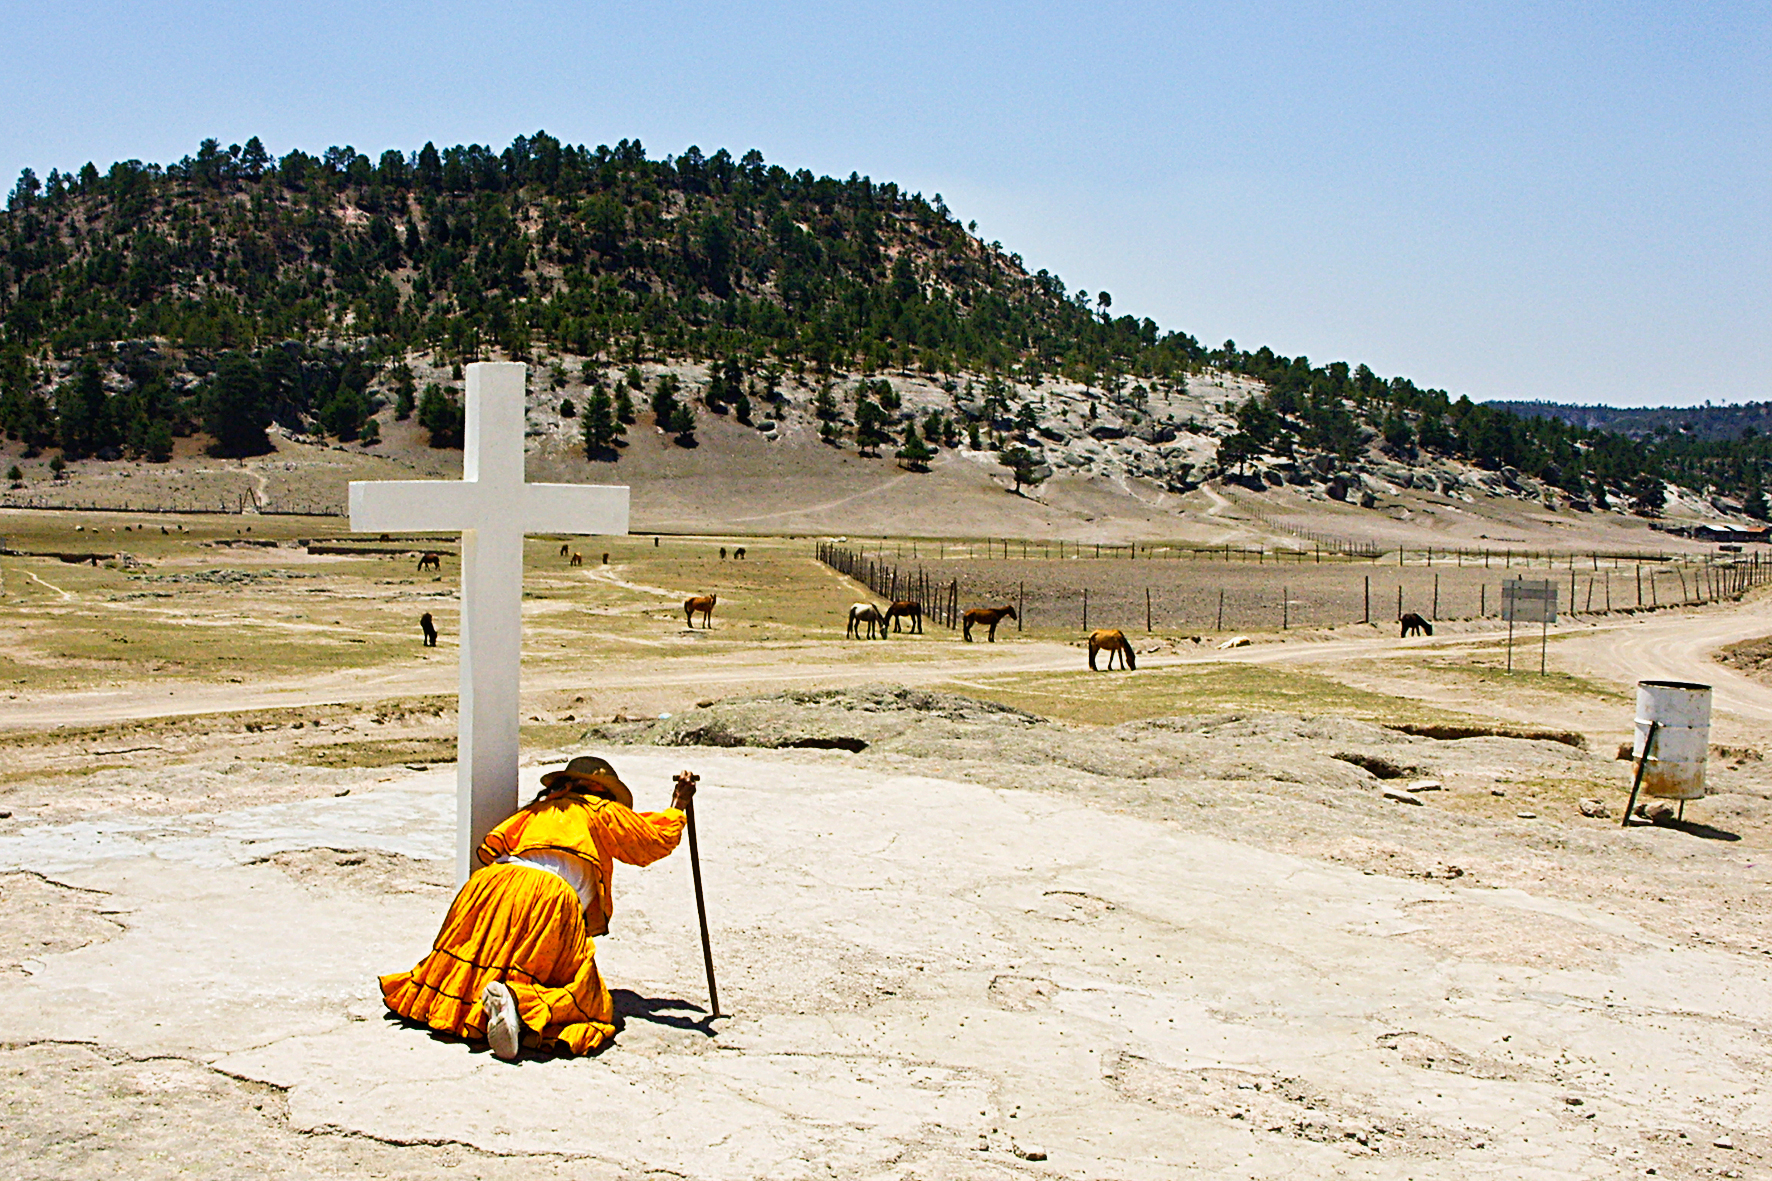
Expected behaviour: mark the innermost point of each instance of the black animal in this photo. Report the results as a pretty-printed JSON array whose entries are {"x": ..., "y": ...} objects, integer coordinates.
[
  {"x": 722, "y": 553},
  {"x": 429, "y": 628},
  {"x": 739, "y": 552},
  {"x": 1414, "y": 624}
]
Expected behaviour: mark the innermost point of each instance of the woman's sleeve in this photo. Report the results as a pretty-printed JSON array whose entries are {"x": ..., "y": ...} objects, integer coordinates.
[{"x": 640, "y": 838}]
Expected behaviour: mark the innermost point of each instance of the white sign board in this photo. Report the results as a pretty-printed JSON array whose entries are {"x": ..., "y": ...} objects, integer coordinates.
[{"x": 1529, "y": 600}]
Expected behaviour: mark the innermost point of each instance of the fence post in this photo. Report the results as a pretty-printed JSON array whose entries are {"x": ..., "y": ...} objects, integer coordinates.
[
  {"x": 1085, "y": 608},
  {"x": 1436, "y": 596},
  {"x": 1147, "y": 608},
  {"x": 1020, "y": 603},
  {"x": 1399, "y": 601},
  {"x": 1285, "y": 608},
  {"x": 1368, "y": 600},
  {"x": 1220, "y": 626}
]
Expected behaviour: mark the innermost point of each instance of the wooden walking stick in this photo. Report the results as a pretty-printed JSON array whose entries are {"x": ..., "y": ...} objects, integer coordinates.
[{"x": 701, "y": 908}]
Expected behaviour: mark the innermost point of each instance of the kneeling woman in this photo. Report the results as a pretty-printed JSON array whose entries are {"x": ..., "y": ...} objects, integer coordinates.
[{"x": 514, "y": 962}]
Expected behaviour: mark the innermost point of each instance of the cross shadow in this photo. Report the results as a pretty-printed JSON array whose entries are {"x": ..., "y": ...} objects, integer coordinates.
[{"x": 659, "y": 1011}]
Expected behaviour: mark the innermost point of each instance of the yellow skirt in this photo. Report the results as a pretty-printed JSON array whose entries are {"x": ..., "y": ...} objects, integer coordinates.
[{"x": 522, "y": 926}]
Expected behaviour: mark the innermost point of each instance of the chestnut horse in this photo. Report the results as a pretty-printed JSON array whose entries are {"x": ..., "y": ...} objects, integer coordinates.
[
  {"x": 986, "y": 616},
  {"x": 860, "y": 613},
  {"x": 906, "y": 609},
  {"x": 703, "y": 604},
  {"x": 1114, "y": 643},
  {"x": 429, "y": 561},
  {"x": 578, "y": 559}
]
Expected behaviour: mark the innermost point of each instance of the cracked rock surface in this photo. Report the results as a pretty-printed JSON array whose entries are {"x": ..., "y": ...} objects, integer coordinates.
[{"x": 982, "y": 939}]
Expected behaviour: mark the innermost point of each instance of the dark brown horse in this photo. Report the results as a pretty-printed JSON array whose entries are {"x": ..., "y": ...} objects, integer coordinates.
[
  {"x": 1414, "y": 624},
  {"x": 429, "y": 628},
  {"x": 906, "y": 609},
  {"x": 986, "y": 617},
  {"x": 1114, "y": 643},
  {"x": 702, "y": 603},
  {"x": 430, "y": 561}
]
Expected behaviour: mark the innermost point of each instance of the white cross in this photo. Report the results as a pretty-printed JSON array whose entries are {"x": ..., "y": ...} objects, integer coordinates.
[{"x": 493, "y": 508}]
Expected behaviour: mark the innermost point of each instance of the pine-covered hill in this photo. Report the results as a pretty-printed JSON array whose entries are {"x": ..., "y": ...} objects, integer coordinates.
[
  {"x": 230, "y": 289},
  {"x": 1706, "y": 422}
]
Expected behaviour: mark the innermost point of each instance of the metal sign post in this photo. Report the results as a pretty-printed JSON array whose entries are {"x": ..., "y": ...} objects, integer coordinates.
[{"x": 1529, "y": 601}]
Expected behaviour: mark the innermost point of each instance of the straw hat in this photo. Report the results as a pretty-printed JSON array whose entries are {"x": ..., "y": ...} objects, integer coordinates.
[{"x": 594, "y": 776}]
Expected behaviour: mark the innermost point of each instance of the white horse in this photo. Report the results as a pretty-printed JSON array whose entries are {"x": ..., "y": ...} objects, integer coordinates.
[{"x": 860, "y": 613}]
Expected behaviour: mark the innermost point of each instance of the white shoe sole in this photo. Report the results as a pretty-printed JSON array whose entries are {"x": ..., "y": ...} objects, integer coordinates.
[{"x": 504, "y": 1030}]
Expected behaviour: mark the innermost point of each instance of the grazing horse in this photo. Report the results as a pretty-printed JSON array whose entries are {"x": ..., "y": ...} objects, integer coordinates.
[
  {"x": 906, "y": 609},
  {"x": 722, "y": 553},
  {"x": 430, "y": 629},
  {"x": 738, "y": 553},
  {"x": 430, "y": 561},
  {"x": 1414, "y": 624},
  {"x": 564, "y": 545},
  {"x": 860, "y": 613},
  {"x": 578, "y": 559},
  {"x": 986, "y": 616},
  {"x": 1114, "y": 643},
  {"x": 703, "y": 604}
]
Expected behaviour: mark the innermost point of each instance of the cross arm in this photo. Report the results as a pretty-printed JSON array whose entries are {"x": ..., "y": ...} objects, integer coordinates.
[
  {"x": 422, "y": 506},
  {"x": 575, "y": 508}
]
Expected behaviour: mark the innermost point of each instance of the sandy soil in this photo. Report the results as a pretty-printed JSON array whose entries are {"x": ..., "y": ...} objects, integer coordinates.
[{"x": 1203, "y": 927}]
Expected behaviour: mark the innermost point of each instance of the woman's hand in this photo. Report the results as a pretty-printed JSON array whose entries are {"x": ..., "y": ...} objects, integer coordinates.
[{"x": 685, "y": 792}]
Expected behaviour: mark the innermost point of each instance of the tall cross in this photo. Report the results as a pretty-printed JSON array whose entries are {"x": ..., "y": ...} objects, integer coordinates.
[{"x": 493, "y": 508}]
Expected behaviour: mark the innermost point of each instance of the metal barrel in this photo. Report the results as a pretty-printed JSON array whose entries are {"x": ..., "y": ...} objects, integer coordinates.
[{"x": 1681, "y": 710}]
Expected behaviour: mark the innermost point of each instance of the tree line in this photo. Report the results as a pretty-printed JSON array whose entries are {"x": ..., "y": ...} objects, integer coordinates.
[{"x": 233, "y": 288}]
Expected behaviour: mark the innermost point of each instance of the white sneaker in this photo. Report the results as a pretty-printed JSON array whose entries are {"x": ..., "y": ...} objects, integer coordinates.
[{"x": 504, "y": 1029}]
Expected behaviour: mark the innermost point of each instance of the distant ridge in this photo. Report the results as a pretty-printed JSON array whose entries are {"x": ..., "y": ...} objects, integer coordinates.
[{"x": 1696, "y": 422}]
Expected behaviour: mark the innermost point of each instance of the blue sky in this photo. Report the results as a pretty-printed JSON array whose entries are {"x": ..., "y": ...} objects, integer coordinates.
[{"x": 1568, "y": 202}]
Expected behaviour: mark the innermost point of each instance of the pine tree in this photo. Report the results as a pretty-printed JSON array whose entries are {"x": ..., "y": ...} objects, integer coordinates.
[
  {"x": 598, "y": 426},
  {"x": 1022, "y": 463},
  {"x": 236, "y": 408},
  {"x": 404, "y": 390},
  {"x": 442, "y": 417},
  {"x": 915, "y": 452}
]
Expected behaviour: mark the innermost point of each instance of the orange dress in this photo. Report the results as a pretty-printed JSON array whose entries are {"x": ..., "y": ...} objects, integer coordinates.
[{"x": 527, "y": 927}]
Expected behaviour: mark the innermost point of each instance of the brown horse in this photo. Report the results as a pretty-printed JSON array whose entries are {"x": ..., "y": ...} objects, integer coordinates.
[
  {"x": 563, "y": 547},
  {"x": 1414, "y": 624},
  {"x": 906, "y": 609},
  {"x": 578, "y": 559},
  {"x": 703, "y": 604},
  {"x": 428, "y": 561},
  {"x": 987, "y": 617},
  {"x": 1114, "y": 643},
  {"x": 738, "y": 553},
  {"x": 429, "y": 628},
  {"x": 860, "y": 613}
]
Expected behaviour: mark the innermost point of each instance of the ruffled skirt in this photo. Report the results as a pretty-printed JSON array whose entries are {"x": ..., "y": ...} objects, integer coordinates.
[{"x": 522, "y": 926}]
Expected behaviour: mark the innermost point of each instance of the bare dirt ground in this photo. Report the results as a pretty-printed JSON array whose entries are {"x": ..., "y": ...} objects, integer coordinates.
[{"x": 974, "y": 905}]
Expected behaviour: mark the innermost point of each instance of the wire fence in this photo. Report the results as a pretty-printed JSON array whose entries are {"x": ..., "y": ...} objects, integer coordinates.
[{"x": 1220, "y": 589}]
